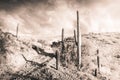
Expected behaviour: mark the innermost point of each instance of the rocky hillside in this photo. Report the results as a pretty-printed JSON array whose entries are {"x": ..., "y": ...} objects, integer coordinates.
[
  {"x": 108, "y": 45},
  {"x": 33, "y": 60},
  {"x": 109, "y": 52}
]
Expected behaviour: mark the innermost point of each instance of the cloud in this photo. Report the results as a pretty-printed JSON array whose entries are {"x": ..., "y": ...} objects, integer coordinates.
[
  {"x": 46, "y": 18},
  {"x": 11, "y": 5}
]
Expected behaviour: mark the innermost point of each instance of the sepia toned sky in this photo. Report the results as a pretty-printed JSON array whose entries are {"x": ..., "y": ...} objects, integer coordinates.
[{"x": 46, "y": 18}]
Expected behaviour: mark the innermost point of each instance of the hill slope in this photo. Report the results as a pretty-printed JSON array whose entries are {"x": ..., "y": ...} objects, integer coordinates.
[{"x": 22, "y": 60}]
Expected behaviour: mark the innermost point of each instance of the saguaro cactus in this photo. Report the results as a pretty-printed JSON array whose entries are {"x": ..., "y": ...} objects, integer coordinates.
[
  {"x": 57, "y": 60},
  {"x": 98, "y": 61},
  {"x": 78, "y": 43},
  {"x": 17, "y": 30},
  {"x": 75, "y": 37},
  {"x": 62, "y": 50},
  {"x": 96, "y": 73}
]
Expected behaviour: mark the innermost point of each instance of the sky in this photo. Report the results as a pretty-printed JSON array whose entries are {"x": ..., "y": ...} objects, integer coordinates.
[{"x": 45, "y": 19}]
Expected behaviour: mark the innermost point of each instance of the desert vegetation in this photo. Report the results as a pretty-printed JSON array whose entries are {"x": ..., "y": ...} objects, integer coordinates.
[
  {"x": 22, "y": 60},
  {"x": 93, "y": 56}
]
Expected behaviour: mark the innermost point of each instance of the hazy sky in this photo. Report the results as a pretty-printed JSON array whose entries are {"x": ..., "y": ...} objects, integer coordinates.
[{"x": 46, "y": 18}]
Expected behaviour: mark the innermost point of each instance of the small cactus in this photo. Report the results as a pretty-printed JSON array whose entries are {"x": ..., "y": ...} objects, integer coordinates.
[
  {"x": 75, "y": 37},
  {"x": 17, "y": 30},
  {"x": 96, "y": 73},
  {"x": 98, "y": 61},
  {"x": 57, "y": 60}
]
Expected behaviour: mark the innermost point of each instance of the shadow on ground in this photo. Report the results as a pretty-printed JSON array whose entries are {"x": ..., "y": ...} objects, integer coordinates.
[{"x": 42, "y": 52}]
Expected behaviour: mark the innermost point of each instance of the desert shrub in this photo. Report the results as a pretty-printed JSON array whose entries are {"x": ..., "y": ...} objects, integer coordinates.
[{"x": 69, "y": 54}]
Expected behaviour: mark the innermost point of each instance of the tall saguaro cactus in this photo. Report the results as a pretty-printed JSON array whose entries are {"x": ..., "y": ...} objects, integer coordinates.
[
  {"x": 78, "y": 43},
  {"x": 62, "y": 50},
  {"x": 17, "y": 30}
]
